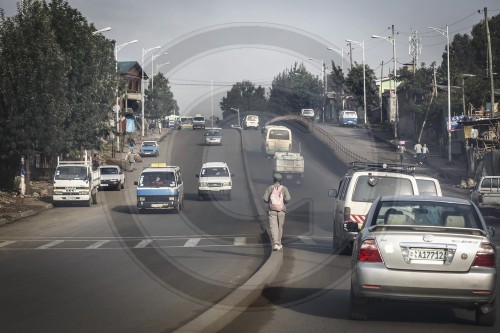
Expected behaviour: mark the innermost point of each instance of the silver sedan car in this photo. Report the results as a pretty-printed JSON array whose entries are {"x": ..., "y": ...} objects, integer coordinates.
[{"x": 424, "y": 249}]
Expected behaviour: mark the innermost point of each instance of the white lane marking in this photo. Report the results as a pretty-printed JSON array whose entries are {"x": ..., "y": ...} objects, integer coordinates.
[
  {"x": 6, "y": 243},
  {"x": 238, "y": 241},
  {"x": 192, "y": 242},
  {"x": 49, "y": 245},
  {"x": 307, "y": 240},
  {"x": 97, "y": 245},
  {"x": 143, "y": 243}
]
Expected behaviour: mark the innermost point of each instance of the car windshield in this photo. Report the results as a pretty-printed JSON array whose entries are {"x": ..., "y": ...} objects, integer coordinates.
[
  {"x": 199, "y": 118},
  {"x": 109, "y": 171},
  {"x": 149, "y": 143},
  {"x": 157, "y": 179},
  {"x": 428, "y": 213},
  {"x": 213, "y": 133},
  {"x": 214, "y": 172},
  {"x": 367, "y": 190},
  {"x": 71, "y": 172}
]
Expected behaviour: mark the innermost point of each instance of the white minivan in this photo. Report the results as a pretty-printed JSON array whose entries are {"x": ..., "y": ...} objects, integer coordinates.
[{"x": 362, "y": 185}]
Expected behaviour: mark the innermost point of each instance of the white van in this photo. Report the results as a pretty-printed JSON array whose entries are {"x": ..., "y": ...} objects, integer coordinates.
[
  {"x": 277, "y": 138},
  {"x": 348, "y": 118},
  {"x": 357, "y": 190},
  {"x": 251, "y": 121},
  {"x": 308, "y": 113}
]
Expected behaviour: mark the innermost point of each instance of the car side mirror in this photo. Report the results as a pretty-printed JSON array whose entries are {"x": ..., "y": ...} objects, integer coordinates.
[
  {"x": 332, "y": 193},
  {"x": 136, "y": 183},
  {"x": 491, "y": 231},
  {"x": 351, "y": 226},
  {"x": 197, "y": 176}
]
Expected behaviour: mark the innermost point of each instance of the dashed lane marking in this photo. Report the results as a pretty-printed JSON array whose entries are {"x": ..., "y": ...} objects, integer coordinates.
[
  {"x": 97, "y": 245},
  {"x": 239, "y": 241},
  {"x": 192, "y": 242},
  {"x": 6, "y": 243},
  {"x": 143, "y": 243},
  {"x": 49, "y": 245}
]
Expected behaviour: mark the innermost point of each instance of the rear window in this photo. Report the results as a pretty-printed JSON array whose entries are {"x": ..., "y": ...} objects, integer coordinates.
[
  {"x": 427, "y": 187},
  {"x": 489, "y": 182},
  {"x": 109, "y": 171},
  {"x": 277, "y": 134},
  {"x": 252, "y": 118},
  {"x": 199, "y": 118},
  {"x": 149, "y": 143},
  {"x": 427, "y": 214},
  {"x": 350, "y": 115},
  {"x": 365, "y": 191}
]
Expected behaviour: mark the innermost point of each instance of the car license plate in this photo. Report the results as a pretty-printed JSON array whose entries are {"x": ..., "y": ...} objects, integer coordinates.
[
  {"x": 427, "y": 254},
  {"x": 104, "y": 184},
  {"x": 157, "y": 205},
  {"x": 289, "y": 163}
]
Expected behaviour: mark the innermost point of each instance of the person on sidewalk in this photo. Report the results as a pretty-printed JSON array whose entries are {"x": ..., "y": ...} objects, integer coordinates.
[
  {"x": 401, "y": 151},
  {"x": 277, "y": 196},
  {"x": 131, "y": 160},
  {"x": 418, "y": 152},
  {"x": 425, "y": 151}
]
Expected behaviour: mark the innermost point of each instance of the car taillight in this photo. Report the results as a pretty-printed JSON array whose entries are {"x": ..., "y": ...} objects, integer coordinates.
[
  {"x": 485, "y": 256},
  {"x": 347, "y": 213},
  {"x": 368, "y": 251}
]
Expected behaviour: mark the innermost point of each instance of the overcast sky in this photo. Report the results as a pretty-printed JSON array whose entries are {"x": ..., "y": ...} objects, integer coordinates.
[{"x": 328, "y": 23}]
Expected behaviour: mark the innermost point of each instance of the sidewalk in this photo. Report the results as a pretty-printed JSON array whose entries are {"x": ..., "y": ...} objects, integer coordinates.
[{"x": 380, "y": 146}]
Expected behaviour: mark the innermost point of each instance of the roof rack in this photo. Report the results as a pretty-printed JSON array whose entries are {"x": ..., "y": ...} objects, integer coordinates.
[{"x": 387, "y": 167}]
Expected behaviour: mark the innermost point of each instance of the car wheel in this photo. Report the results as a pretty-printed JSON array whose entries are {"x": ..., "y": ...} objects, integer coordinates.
[
  {"x": 94, "y": 197},
  {"x": 122, "y": 186},
  {"x": 228, "y": 197},
  {"x": 88, "y": 203},
  {"x": 357, "y": 307},
  {"x": 200, "y": 197},
  {"x": 140, "y": 210},
  {"x": 486, "y": 319}
]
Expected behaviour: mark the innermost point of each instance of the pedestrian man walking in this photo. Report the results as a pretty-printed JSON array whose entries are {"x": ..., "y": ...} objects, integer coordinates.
[
  {"x": 425, "y": 152},
  {"x": 418, "y": 152},
  {"x": 401, "y": 151},
  {"x": 277, "y": 196},
  {"x": 131, "y": 160}
]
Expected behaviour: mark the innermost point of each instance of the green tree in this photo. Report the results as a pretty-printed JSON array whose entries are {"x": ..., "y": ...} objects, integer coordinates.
[
  {"x": 160, "y": 100},
  {"x": 245, "y": 97},
  {"x": 355, "y": 86},
  {"x": 57, "y": 85},
  {"x": 295, "y": 89}
]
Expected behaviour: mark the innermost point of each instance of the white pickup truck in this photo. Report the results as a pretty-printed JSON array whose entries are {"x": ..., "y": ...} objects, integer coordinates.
[
  {"x": 290, "y": 165},
  {"x": 112, "y": 177},
  {"x": 486, "y": 193},
  {"x": 76, "y": 181}
]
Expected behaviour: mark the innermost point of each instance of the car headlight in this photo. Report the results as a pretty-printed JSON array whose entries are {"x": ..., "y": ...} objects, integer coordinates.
[
  {"x": 203, "y": 184},
  {"x": 226, "y": 184},
  {"x": 142, "y": 199}
]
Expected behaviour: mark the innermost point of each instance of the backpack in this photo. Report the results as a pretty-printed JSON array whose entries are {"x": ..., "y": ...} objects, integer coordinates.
[{"x": 276, "y": 202}]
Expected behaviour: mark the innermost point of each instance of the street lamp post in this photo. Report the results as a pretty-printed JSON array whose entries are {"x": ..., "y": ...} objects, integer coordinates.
[
  {"x": 393, "y": 42},
  {"x": 362, "y": 44},
  {"x": 463, "y": 89},
  {"x": 101, "y": 30},
  {"x": 324, "y": 83},
  {"x": 153, "y": 57},
  {"x": 144, "y": 51},
  {"x": 237, "y": 110},
  {"x": 117, "y": 106},
  {"x": 446, "y": 34},
  {"x": 341, "y": 52}
]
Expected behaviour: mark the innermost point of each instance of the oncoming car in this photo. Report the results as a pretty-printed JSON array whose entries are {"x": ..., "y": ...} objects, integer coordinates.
[
  {"x": 149, "y": 148},
  {"x": 214, "y": 180},
  {"x": 112, "y": 177},
  {"x": 426, "y": 249},
  {"x": 213, "y": 137}
]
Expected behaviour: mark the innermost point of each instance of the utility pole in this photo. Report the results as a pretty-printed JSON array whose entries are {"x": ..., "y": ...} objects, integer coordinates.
[
  {"x": 490, "y": 61},
  {"x": 381, "y": 91},
  {"x": 350, "y": 53}
]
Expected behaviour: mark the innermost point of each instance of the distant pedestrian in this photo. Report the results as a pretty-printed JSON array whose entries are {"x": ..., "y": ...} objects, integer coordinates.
[
  {"x": 425, "y": 152},
  {"x": 277, "y": 196},
  {"x": 401, "y": 151},
  {"x": 159, "y": 127},
  {"x": 151, "y": 127},
  {"x": 95, "y": 162},
  {"x": 131, "y": 143},
  {"x": 418, "y": 152},
  {"x": 131, "y": 160}
]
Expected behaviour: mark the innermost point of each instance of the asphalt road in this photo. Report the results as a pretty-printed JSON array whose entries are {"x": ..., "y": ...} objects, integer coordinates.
[{"x": 108, "y": 269}]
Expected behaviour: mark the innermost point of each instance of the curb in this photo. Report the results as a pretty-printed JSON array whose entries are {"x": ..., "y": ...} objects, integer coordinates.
[{"x": 26, "y": 213}]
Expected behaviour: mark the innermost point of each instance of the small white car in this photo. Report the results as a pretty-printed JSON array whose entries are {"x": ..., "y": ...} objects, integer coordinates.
[
  {"x": 213, "y": 137},
  {"x": 308, "y": 113},
  {"x": 251, "y": 121},
  {"x": 214, "y": 180},
  {"x": 112, "y": 177}
]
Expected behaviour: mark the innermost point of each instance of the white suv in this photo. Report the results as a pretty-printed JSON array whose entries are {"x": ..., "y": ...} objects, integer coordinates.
[
  {"x": 214, "y": 180},
  {"x": 359, "y": 188}
]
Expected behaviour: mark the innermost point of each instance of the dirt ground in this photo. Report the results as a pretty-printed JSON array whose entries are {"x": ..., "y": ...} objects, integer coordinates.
[{"x": 11, "y": 203}]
